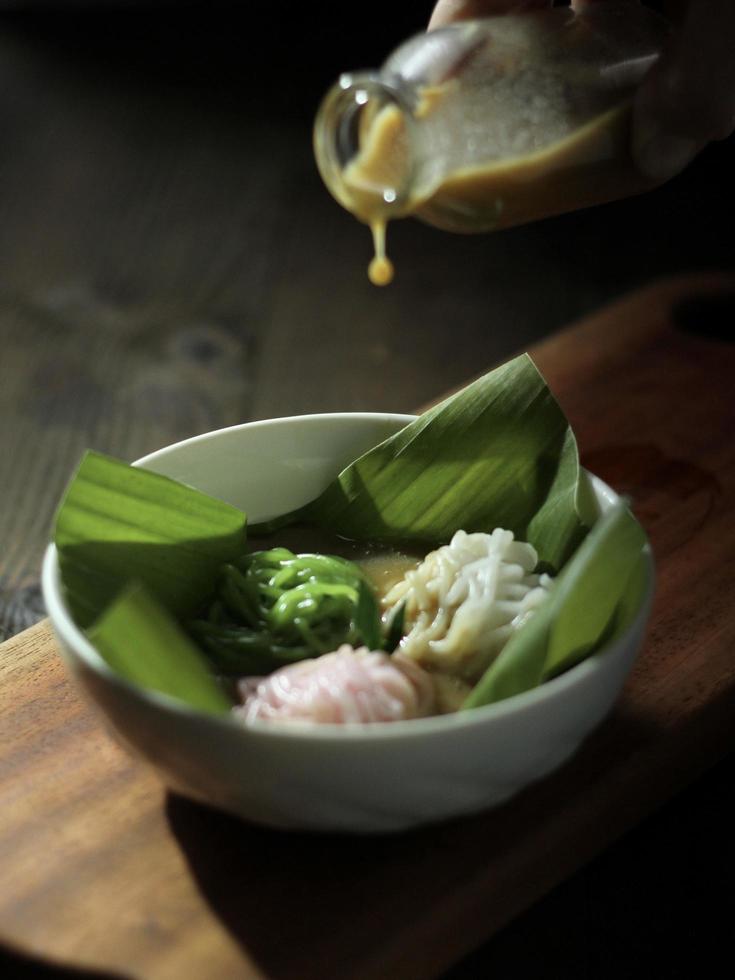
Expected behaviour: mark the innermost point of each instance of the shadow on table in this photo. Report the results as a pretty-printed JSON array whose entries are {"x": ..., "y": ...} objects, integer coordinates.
[
  {"x": 708, "y": 316},
  {"x": 15, "y": 965},
  {"x": 649, "y": 906},
  {"x": 302, "y": 905},
  {"x": 315, "y": 905}
]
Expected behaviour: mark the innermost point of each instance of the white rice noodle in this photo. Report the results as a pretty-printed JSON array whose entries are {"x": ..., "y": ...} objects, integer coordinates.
[{"x": 466, "y": 599}]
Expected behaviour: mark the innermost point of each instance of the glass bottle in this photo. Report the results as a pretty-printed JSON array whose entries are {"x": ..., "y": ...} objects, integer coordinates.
[{"x": 490, "y": 123}]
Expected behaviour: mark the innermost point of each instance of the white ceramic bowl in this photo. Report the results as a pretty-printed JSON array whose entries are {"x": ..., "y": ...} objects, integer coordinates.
[{"x": 381, "y": 777}]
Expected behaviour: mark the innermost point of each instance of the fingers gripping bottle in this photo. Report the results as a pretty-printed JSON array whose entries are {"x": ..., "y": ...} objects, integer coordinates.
[{"x": 491, "y": 123}]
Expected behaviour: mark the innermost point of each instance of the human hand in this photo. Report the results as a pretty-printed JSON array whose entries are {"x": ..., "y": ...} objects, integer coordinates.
[{"x": 688, "y": 97}]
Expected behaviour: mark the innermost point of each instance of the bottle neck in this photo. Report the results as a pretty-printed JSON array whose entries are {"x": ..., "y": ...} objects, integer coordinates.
[{"x": 363, "y": 137}]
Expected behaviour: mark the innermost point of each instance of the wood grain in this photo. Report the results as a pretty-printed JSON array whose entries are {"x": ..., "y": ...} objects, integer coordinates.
[{"x": 103, "y": 869}]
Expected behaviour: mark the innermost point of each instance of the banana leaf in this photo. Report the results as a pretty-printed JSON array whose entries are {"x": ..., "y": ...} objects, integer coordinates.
[
  {"x": 499, "y": 453},
  {"x": 141, "y": 641},
  {"x": 119, "y": 524},
  {"x": 596, "y": 596}
]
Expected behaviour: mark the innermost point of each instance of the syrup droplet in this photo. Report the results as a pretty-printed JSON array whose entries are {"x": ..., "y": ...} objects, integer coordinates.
[{"x": 380, "y": 270}]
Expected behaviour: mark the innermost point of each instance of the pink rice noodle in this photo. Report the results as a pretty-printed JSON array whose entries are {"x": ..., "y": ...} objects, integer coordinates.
[{"x": 347, "y": 686}]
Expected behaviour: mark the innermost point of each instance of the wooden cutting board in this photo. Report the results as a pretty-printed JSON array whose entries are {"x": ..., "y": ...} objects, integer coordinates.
[{"x": 102, "y": 868}]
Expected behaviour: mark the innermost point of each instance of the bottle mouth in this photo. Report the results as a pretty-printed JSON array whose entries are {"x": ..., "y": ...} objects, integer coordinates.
[{"x": 362, "y": 144}]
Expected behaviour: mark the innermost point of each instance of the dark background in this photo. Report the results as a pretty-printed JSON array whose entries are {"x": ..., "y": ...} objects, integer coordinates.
[{"x": 170, "y": 263}]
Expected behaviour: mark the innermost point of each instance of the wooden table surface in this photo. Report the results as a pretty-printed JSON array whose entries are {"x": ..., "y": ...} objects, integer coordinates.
[
  {"x": 103, "y": 869},
  {"x": 170, "y": 263}
]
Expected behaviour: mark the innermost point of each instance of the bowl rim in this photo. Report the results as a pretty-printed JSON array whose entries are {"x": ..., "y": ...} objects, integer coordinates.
[{"x": 75, "y": 639}]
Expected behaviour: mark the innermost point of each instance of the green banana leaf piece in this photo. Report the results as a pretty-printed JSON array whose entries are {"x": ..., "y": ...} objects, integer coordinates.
[
  {"x": 119, "y": 524},
  {"x": 142, "y": 643},
  {"x": 499, "y": 453},
  {"x": 595, "y": 597}
]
